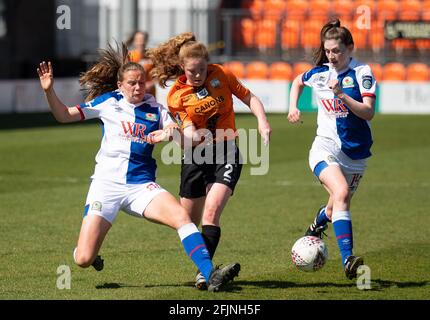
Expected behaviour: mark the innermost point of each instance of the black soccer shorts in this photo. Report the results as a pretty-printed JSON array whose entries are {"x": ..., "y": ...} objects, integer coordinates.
[{"x": 201, "y": 166}]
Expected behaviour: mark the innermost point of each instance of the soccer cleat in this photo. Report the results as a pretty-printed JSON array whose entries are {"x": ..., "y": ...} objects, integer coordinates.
[
  {"x": 351, "y": 266},
  {"x": 98, "y": 263},
  {"x": 220, "y": 277},
  {"x": 201, "y": 281},
  {"x": 315, "y": 230}
]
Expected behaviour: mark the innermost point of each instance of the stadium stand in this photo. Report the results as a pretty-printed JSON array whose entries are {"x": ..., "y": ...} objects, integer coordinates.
[
  {"x": 237, "y": 68},
  {"x": 394, "y": 71},
  {"x": 417, "y": 72}
]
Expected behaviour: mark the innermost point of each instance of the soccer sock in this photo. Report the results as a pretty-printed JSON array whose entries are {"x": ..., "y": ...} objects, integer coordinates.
[
  {"x": 195, "y": 248},
  {"x": 343, "y": 230},
  {"x": 211, "y": 235},
  {"x": 322, "y": 219}
]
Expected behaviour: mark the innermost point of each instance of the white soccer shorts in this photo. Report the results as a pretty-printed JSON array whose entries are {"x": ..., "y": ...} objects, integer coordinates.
[
  {"x": 106, "y": 198},
  {"x": 325, "y": 152}
]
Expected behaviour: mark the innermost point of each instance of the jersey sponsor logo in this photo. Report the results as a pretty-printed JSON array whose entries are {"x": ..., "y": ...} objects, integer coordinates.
[
  {"x": 209, "y": 105},
  {"x": 151, "y": 117},
  {"x": 347, "y": 82},
  {"x": 336, "y": 107},
  {"x": 203, "y": 93},
  {"x": 367, "y": 82},
  {"x": 134, "y": 129}
]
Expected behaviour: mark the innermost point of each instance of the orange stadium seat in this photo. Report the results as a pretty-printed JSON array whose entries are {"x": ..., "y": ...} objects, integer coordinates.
[
  {"x": 275, "y": 9},
  {"x": 377, "y": 70},
  {"x": 311, "y": 34},
  {"x": 265, "y": 36},
  {"x": 376, "y": 38},
  {"x": 280, "y": 71},
  {"x": 290, "y": 34},
  {"x": 425, "y": 7},
  {"x": 248, "y": 31},
  {"x": 256, "y": 7},
  {"x": 319, "y": 9},
  {"x": 297, "y": 9},
  {"x": 360, "y": 38},
  {"x": 236, "y": 67},
  {"x": 387, "y": 9},
  {"x": 394, "y": 71},
  {"x": 257, "y": 70},
  {"x": 417, "y": 72},
  {"x": 343, "y": 9},
  {"x": 301, "y": 67},
  {"x": 410, "y": 10}
]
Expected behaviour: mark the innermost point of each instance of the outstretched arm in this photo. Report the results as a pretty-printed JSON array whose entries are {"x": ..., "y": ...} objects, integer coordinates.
[
  {"x": 60, "y": 111},
  {"x": 257, "y": 108}
]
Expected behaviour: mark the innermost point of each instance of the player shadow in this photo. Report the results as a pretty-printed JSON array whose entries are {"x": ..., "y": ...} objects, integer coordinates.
[
  {"x": 380, "y": 284},
  {"x": 115, "y": 285}
]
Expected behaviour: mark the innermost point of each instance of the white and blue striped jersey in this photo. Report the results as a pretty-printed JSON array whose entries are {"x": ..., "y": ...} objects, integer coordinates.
[
  {"x": 125, "y": 156},
  {"x": 335, "y": 121}
]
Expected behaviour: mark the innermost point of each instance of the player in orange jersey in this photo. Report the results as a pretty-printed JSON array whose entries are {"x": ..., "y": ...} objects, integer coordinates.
[
  {"x": 137, "y": 44},
  {"x": 201, "y": 99}
]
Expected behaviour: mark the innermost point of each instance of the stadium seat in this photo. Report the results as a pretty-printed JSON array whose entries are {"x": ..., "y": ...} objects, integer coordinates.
[
  {"x": 311, "y": 34},
  {"x": 425, "y": 7},
  {"x": 256, "y": 7},
  {"x": 376, "y": 38},
  {"x": 290, "y": 34},
  {"x": 297, "y": 9},
  {"x": 387, "y": 9},
  {"x": 319, "y": 11},
  {"x": 410, "y": 10},
  {"x": 257, "y": 70},
  {"x": 237, "y": 68},
  {"x": 417, "y": 72},
  {"x": 301, "y": 67},
  {"x": 280, "y": 71},
  {"x": 274, "y": 9},
  {"x": 394, "y": 71},
  {"x": 248, "y": 32},
  {"x": 343, "y": 9},
  {"x": 377, "y": 70},
  {"x": 266, "y": 33}
]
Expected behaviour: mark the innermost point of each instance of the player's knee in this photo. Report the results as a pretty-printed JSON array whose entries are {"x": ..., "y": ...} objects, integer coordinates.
[
  {"x": 341, "y": 195},
  {"x": 83, "y": 260},
  {"x": 181, "y": 218}
]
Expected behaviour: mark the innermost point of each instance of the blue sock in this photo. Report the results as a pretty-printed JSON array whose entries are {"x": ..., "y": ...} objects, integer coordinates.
[
  {"x": 343, "y": 230},
  {"x": 195, "y": 248},
  {"x": 322, "y": 218}
]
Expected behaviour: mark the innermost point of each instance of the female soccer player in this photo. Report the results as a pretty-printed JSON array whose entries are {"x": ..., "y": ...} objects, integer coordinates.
[
  {"x": 202, "y": 100},
  {"x": 124, "y": 176},
  {"x": 345, "y": 91}
]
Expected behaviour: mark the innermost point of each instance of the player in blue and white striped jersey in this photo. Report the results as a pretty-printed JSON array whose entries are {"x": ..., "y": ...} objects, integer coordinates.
[
  {"x": 124, "y": 176},
  {"x": 345, "y": 92}
]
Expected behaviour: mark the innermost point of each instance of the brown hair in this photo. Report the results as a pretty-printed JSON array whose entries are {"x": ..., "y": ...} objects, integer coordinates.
[
  {"x": 331, "y": 30},
  {"x": 103, "y": 77},
  {"x": 168, "y": 57}
]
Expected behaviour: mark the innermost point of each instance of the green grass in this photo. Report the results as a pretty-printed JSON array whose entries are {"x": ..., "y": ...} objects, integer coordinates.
[{"x": 44, "y": 177}]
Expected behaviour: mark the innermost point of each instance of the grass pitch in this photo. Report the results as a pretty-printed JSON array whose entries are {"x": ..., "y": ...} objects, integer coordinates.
[{"x": 44, "y": 179}]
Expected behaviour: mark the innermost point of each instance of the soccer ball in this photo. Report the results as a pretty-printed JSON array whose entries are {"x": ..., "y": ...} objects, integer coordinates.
[{"x": 309, "y": 254}]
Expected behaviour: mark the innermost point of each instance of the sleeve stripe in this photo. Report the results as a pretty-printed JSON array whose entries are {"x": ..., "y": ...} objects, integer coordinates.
[
  {"x": 368, "y": 95},
  {"x": 81, "y": 112}
]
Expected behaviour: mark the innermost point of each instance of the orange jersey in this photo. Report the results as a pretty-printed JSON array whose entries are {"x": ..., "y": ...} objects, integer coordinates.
[{"x": 209, "y": 106}]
